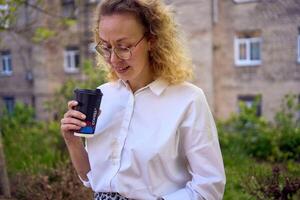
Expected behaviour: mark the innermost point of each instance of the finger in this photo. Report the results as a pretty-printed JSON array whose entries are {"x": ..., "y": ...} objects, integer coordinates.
[
  {"x": 99, "y": 112},
  {"x": 72, "y": 104},
  {"x": 74, "y": 121},
  {"x": 70, "y": 127},
  {"x": 75, "y": 113}
]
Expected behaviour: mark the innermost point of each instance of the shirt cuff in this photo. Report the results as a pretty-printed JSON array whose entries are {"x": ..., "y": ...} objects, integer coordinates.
[{"x": 86, "y": 183}]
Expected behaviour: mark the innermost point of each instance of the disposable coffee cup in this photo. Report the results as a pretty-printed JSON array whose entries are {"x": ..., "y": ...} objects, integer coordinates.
[{"x": 89, "y": 104}]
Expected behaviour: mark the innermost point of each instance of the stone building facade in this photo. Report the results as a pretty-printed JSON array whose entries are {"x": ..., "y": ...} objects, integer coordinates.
[
  {"x": 240, "y": 49},
  {"x": 38, "y": 69},
  {"x": 255, "y": 53}
]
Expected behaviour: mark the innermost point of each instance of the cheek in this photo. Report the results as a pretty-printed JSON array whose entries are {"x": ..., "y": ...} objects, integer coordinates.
[
  {"x": 142, "y": 57},
  {"x": 139, "y": 58}
]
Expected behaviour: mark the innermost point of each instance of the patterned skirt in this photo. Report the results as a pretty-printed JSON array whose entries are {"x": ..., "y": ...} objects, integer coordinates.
[{"x": 109, "y": 196}]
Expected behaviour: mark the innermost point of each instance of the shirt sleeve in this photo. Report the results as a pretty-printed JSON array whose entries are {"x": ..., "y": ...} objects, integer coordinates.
[
  {"x": 202, "y": 150},
  {"x": 85, "y": 183}
]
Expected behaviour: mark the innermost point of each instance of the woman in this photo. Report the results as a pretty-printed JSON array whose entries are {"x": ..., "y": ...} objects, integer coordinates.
[{"x": 155, "y": 137}]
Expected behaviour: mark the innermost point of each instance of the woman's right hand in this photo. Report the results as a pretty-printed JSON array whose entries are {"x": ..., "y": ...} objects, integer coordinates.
[{"x": 71, "y": 122}]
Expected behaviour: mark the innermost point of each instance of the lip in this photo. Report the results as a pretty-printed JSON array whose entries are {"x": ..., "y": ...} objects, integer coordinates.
[{"x": 121, "y": 70}]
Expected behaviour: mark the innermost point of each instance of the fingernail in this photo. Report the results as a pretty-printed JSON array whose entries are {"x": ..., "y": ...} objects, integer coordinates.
[
  {"x": 83, "y": 124},
  {"x": 83, "y": 116}
]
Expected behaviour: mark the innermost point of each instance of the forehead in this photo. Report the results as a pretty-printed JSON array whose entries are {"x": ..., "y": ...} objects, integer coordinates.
[{"x": 119, "y": 25}]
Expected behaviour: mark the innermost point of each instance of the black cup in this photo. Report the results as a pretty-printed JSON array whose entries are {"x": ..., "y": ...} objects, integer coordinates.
[{"x": 88, "y": 103}]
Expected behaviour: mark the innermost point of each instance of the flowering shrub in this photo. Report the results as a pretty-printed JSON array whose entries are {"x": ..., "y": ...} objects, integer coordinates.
[{"x": 274, "y": 186}]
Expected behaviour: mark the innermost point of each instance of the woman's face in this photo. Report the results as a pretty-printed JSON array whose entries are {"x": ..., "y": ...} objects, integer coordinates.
[{"x": 125, "y": 31}]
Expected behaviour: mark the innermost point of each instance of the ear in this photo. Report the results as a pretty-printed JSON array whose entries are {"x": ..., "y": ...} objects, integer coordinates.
[{"x": 151, "y": 42}]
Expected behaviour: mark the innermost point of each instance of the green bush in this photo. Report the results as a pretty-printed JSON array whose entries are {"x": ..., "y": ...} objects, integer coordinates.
[
  {"x": 29, "y": 145},
  {"x": 277, "y": 141},
  {"x": 288, "y": 126},
  {"x": 289, "y": 145},
  {"x": 249, "y": 133},
  {"x": 36, "y": 156}
]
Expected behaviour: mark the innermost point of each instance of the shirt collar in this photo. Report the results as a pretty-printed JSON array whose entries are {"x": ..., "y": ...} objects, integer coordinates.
[
  {"x": 157, "y": 86},
  {"x": 121, "y": 83}
]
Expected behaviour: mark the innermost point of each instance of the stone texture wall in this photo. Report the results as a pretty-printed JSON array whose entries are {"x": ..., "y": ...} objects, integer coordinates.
[
  {"x": 195, "y": 20},
  {"x": 49, "y": 56},
  {"x": 16, "y": 85},
  {"x": 279, "y": 72},
  {"x": 211, "y": 46}
]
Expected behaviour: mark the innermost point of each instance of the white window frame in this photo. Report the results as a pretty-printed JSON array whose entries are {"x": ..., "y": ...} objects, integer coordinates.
[
  {"x": 298, "y": 55},
  {"x": 247, "y": 61},
  {"x": 70, "y": 67},
  {"x": 6, "y": 69},
  {"x": 5, "y": 8}
]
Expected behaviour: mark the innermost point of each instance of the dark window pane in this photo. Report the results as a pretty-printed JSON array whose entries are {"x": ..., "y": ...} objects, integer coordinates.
[
  {"x": 77, "y": 60},
  {"x": 68, "y": 8},
  {"x": 249, "y": 101},
  {"x": 242, "y": 51},
  {"x": 6, "y": 61},
  {"x": 9, "y": 64},
  {"x": 9, "y": 104},
  {"x": 255, "y": 50},
  {"x": 3, "y": 65},
  {"x": 69, "y": 61}
]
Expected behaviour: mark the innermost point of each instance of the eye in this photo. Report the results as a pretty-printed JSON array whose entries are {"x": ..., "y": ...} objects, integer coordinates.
[
  {"x": 105, "y": 47},
  {"x": 104, "y": 44},
  {"x": 123, "y": 48}
]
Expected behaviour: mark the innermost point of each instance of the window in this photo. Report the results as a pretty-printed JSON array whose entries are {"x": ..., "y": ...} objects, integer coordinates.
[
  {"x": 4, "y": 17},
  {"x": 247, "y": 50},
  {"x": 71, "y": 59},
  {"x": 68, "y": 8},
  {"x": 9, "y": 104},
  {"x": 6, "y": 63},
  {"x": 250, "y": 101}
]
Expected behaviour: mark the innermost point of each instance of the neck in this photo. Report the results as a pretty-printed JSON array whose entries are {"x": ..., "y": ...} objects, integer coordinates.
[
  {"x": 140, "y": 82},
  {"x": 136, "y": 86}
]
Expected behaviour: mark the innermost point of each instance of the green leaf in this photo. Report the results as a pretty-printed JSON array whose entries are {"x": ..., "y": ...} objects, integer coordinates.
[
  {"x": 68, "y": 22},
  {"x": 42, "y": 33}
]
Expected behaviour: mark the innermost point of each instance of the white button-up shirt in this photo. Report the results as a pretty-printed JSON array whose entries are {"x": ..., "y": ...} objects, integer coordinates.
[{"x": 160, "y": 141}]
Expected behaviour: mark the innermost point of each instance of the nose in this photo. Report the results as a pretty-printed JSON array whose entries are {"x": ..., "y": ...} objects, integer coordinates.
[{"x": 114, "y": 58}]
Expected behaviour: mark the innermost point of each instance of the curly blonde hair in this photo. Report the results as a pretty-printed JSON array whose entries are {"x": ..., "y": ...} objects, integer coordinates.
[{"x": 168, "y": 59}]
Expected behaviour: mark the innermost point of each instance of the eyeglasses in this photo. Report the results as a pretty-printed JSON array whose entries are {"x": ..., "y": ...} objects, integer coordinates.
[{"x": 123, "y": 53}]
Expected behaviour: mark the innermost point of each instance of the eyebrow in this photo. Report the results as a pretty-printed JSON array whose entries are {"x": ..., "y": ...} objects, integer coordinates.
[{"x": 119, "y": 40}]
